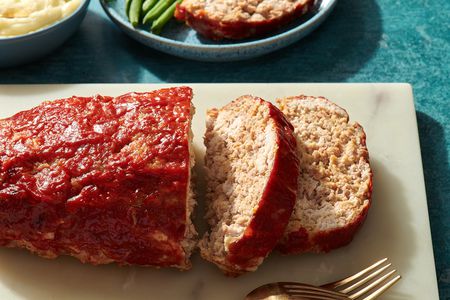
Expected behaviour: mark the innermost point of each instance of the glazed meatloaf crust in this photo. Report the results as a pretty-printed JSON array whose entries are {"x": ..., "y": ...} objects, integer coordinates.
[
  {"x": 102, "y": 179},
  {"x": 335, "y": 182},
  {"x": 251, "y": 170},
  {"x": 239, "y": 19}
]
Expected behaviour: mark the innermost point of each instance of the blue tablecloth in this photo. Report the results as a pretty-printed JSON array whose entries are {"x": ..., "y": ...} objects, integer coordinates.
[{"x": 362, "y": 41}]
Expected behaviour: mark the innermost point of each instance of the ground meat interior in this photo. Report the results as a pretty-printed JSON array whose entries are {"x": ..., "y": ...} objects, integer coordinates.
[
  {"x": 334, "y": 171},
  {"x": 241, "y": 146}
]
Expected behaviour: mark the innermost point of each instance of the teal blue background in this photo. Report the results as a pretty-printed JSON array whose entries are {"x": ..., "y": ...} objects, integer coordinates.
[{"x": 362, "y": 41}]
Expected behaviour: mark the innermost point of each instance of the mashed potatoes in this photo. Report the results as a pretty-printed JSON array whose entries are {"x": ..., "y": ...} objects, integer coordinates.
[{"x": 19, "y": 17}]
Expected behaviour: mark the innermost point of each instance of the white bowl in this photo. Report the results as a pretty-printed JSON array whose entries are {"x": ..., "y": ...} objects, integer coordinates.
[{"x": 31, "y": 46}]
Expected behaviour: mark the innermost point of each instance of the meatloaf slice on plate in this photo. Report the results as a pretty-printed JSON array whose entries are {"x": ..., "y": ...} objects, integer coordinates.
[
  {"x": 239, "y": 19},
  {"x": 102, "y": 179},
  {"x": 335, "y": 182},
  {"x": 251, "y": 172}
]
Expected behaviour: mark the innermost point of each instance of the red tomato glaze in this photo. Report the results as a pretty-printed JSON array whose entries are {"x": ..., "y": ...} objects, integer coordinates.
[
  {"x": 217, "y": 29},
  {"x": 103, "y": 179}
]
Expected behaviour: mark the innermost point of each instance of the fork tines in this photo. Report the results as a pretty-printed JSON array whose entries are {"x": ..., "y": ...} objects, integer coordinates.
[
  {"x": 305, "y": 291},
  {"x": 369, "y": 283}
]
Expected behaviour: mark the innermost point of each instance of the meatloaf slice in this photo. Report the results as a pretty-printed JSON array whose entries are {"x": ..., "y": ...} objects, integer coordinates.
[
  {"x": 102, "y": 179},
  {"x": 335, "y": 182},
  {"x": 251, "y": 171},
  {"x": 239, "y": 19}
]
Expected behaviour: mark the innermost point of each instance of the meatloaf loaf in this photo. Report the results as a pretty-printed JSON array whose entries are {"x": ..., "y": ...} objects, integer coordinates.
[
  {"x": 102, "y": 179},
  {"x": 239, "y": 19},
  {"x": 335, "y": 182},
  {"x": 251, "y": 172}
]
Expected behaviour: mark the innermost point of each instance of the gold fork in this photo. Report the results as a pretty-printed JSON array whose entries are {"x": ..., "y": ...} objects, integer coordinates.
[{"x": 367, "y": 284}]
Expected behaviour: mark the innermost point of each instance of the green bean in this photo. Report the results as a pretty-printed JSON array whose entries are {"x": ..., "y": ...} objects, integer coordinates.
[
  {"x": 157, "y": 10},
  {"x": 148, "y": 4},
  {"x": 159, "y": 23},
  {"x": 135, "y": 12},
  {"x": 127, "y": 8}
]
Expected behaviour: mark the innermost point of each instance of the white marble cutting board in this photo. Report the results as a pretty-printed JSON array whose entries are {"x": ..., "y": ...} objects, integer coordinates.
[{"x": 397, "y": 225}]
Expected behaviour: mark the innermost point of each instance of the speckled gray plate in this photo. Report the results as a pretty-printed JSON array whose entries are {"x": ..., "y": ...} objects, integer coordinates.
[{"x": 180, "y": 40}]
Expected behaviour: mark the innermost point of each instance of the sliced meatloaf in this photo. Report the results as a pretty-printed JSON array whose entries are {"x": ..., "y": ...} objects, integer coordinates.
[
  {"x": 239, "y": 19},
  {"x": 99, "y": 178},
  {"x": 335, "y": 182},
  {"x": 251, "y": 171}
]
